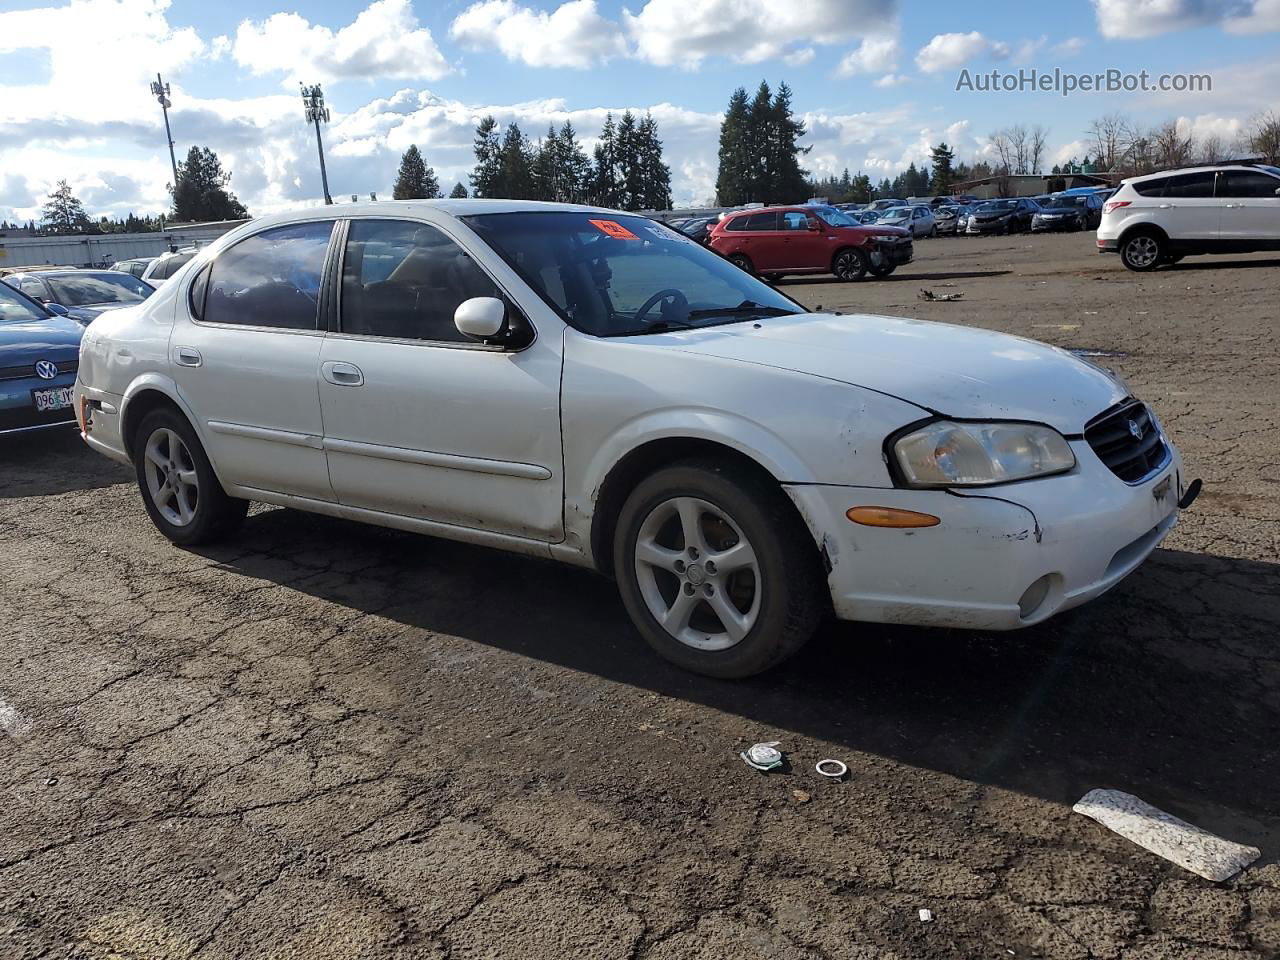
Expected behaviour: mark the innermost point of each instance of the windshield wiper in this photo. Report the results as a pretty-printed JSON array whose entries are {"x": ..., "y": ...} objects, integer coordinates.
[{"x": 747, "y": 307}]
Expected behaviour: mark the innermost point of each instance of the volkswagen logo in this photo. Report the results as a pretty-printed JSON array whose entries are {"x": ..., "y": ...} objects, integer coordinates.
[
  {"x": 1136, "y": 430},
  {"x": 46, "y": 369}
]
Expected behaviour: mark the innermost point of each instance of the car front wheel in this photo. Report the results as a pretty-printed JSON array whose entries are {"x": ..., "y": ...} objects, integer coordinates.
[
  {"x": 850, "y": 264},
  {"x": 181, "y": 492},
  {"x": 1142, "y": 252},
  {"x": 716, "y": 571},
  {"x": 741, "y": 261}
]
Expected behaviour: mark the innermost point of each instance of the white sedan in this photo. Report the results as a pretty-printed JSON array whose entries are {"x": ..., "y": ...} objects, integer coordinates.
[{"x": 594, "y": 387}]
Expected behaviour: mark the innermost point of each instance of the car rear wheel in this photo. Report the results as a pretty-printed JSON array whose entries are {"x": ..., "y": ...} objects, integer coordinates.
[
  {"x": 716, "y": 571},
  {"x": 742, "y": 262},
  {"x": 179, "y": 488},
  {"x": 1142, "y": 252},
  {"x": 850, "y": 264}
]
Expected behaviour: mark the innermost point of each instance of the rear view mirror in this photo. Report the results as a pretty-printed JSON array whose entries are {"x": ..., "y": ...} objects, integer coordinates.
[{"x": 481, "y": 317}]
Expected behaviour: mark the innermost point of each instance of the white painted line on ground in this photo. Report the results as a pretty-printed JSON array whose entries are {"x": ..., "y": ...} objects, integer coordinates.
[
  {"x": 12, "y": 722},
  {"x": 1166, "y": 836}
]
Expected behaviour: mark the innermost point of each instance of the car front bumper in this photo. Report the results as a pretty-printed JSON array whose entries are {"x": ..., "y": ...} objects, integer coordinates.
[
  {"x": 1041, "y": 226},
  {"x": 896, "y": 252},
  {"x": 1084, "y": 531},
  {"x": 17, "y": 411},
  {"x": 988, "y": 226}
]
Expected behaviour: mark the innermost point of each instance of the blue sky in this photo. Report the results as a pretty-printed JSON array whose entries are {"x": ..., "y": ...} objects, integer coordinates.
[{"x": 875, "y": 80}]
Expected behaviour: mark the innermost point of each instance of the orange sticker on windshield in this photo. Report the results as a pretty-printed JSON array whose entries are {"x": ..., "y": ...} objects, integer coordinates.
[{"x": 614, "y": 229}]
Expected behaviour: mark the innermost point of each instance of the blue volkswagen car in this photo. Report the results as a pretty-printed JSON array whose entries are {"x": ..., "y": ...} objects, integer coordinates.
[{"x": 39, "y": 353}]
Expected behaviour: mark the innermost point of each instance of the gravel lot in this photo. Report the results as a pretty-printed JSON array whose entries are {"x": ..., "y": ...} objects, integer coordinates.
[{"x": 332, "y": 741}]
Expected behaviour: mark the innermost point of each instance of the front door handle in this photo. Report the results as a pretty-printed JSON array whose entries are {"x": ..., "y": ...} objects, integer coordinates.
[
  {"x": 187, "y": 357},
  {"x": 1166, "y": 206},
  {"x": 342, "y": 374}
]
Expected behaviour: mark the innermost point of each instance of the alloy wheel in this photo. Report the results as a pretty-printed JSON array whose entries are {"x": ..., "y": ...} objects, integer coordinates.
[
  {"x": 171, "y": 477},
  {"x": 1142, "y": 251},
  {"x": 698, "y": 574}
]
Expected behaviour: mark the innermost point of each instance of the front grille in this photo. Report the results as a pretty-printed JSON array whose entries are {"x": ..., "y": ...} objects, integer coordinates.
[
  {"x": 29, "y": 370},
  {"x": 1127, "y": 440}
]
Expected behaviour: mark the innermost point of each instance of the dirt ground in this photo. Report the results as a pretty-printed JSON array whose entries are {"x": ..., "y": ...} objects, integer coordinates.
[{"x": 331, "y": 741}]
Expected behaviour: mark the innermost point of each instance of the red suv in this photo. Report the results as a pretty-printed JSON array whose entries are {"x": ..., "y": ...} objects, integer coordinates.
[{"x": 778, "y": 240}]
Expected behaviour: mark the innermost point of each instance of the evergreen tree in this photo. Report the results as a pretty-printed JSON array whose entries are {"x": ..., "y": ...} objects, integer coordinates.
[
  {"x": 733, "y": 175},
  {"x": 606, "y": 188},
  {"x": 201, "y": 191},
  {"x": 943, "y": 175},
  {"x": 459, "y": 192},
  {"x": 63, "y": 212},
  {"x": 515, "y": 165},
  {"x": 546, "y": 167},
  {"x": 786, "y": 179},
  {"x": 415, "y": 180},
  {"x": 630, "y": 171},
  {"x": 655, "y": 175},
  {"x": 575, "y": 166},
  {"x": 486, "y": 176}
]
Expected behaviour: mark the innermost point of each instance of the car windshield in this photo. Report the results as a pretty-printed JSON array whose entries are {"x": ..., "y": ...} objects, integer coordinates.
[
  {"x": 833, "y": 217},
  {"x": 896, "y": 213},
  {"x": 82, "y": 289},
  {"x": 1060, "y": 202},
  {"x": 614, "y": 275},
  {"x": 994, "y": 206},
  {"x": 15, "y": 308}
]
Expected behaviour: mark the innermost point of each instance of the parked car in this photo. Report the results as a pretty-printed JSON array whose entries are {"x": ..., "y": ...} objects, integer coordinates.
[
  {"x": 699, "y": 228},
  {"x": 864, "y": 216},
  {"x": 136, "y": 266},
  {"x": 1079, "y": 212},
  {"x": 39, "y": 353},
  {"x": 163, "y": 267},
  {"x": 946, "y": 216},
  {"x": 84, "y": 295},
  {"x": 605, "y": 392},
  {"x": 1007, "y": 215},
  {"x": 886, "y": 203},
  {"x": 919, "y": 220},
  {"x": 1163, "y": 217},
  {"x": 777, "y": 241},
  {"x": 965, "y": 199}
]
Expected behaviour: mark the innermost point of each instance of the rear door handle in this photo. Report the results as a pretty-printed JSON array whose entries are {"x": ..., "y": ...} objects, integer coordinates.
[
  {"x": 187, "y": 357},
  {"x": 1166, "y": 206},
  {"x": 342, "y": 374}
]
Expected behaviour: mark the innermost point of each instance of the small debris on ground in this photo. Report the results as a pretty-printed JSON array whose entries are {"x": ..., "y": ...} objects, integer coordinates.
[
  {"x": 925, "y": 294},
  {"x": 1166, "y": 836},
  {"x": 51, "y": 782},
  {"x": 800, "y": 796},
  {"x": 835, "y": 769},
  {"x": 763, "y": 756},
  {"x": 925, "y": 915}
]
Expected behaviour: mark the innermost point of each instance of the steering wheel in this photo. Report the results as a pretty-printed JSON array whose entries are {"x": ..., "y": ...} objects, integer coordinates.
[{"x": 678, "y": 300}]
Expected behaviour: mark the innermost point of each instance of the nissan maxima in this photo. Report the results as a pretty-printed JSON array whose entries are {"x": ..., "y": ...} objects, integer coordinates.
[{"x": 594, "y": 387}]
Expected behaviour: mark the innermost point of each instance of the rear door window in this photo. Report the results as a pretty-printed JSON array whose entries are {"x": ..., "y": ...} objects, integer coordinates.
[
  {"x": 1190, "y": 185},
  {"x": 271, "y": 279},
  {"x": 760, "y": 222}
]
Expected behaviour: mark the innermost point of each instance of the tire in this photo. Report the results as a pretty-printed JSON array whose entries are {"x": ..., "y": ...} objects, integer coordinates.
[
  {"x": 778, "y": 597},
  {"x": 933, "y": 231},
  {"x": 850, "y": 264},
  {"x": 196, "y": 510},
  {"x": 770, "y": 277},
  {"x": 1142, "y": 251},
  {"x": 742, "y": 262},
  {"x": 882, "y": 270}
]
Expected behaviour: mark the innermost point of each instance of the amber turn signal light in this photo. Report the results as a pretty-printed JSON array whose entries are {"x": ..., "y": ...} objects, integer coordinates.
[{"x": 890, "y": 517}]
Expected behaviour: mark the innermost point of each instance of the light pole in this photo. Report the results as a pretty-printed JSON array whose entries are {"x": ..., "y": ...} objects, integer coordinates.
[
  {"x": 313, "y": 102},
  {"x": 161, "y": 91}
]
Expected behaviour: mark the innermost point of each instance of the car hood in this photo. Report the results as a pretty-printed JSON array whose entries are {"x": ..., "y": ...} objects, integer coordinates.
[
  {"x": 1058, "y": 210},
  {"x": 873, "y": 229},
  {"x": 951, "y": 370},
  {"x": 56, "y": 338}
]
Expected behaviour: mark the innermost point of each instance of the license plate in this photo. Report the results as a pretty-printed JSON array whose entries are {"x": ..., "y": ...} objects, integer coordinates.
[{"x": 54, "y": 398}]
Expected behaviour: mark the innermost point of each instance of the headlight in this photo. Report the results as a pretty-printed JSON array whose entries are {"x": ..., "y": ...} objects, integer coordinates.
[{"x": 947, "y": 454}]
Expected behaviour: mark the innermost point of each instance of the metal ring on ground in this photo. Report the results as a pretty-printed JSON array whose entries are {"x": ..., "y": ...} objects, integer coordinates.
[{"x": 835, "y": 769}]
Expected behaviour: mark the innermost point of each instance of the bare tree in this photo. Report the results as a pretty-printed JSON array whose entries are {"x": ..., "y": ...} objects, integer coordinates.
[
  {"x": 1170, "y": 146},
  {"x": 1213, "y": 150},
  {"x": 1004, "y": 152},
  {"x": 1111, "y": 134},
  {"x": 1019, "y": 141},
  {"x": 1262, "y": 136},
  {"x": 1038, "y": 137}
]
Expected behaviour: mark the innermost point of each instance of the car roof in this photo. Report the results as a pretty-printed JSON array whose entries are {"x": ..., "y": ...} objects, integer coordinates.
[
  {"x": 1204, "y": 168},
  {"x": 453, "y": 208},
  {"x": 70, "y": 271}
]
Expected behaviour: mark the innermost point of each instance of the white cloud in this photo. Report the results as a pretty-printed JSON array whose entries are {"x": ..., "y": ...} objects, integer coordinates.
[
  {"x": 799, "y": 58},
  {"x": 1068, "y": 47},
  {"x": 893, "y": 80},
  {"x": 873, "y": 55},
  {"x": 1149, "y": 18},
  {"x": 683, "y": 33},
  {"x": 947, "y": 51},
  {"x": 573, "y": 35},
  {"x": 1028, "y": 49},
  {"x": 384, "y": 41}
]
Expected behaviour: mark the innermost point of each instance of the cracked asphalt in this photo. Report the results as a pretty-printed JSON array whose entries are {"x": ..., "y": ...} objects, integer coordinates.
[{"x": 322, "y": 740}]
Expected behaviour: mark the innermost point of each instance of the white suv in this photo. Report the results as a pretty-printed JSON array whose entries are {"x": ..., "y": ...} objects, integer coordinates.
[{"x": 1160, "y": 218}]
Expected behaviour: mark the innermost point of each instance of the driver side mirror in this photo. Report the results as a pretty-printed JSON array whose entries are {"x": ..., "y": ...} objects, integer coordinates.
[
  {"x": 55, "y": 308},
  {"x": 813, "y": 226},
  {"x": 482, "y": 318}
]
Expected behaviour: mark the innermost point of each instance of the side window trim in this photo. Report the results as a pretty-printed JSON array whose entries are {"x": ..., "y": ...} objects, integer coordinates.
[
  {"x": 207, "y": 270},
  {"x": 339, "y": 266}
]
